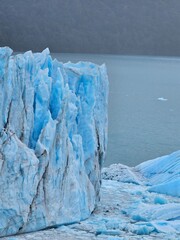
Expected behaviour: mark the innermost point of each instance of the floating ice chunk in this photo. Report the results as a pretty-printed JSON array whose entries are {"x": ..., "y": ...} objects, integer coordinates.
[
  {"x": 160, "y": 200},
  {"x": 167, "y": 227},
  {"x": 143, "y": 229},
  {"x": 148, "y": 212},
  {"x": 162, "y": 99}
]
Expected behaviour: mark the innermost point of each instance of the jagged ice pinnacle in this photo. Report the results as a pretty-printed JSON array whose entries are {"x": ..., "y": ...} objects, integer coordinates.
[{"x": 53, "y": 138}]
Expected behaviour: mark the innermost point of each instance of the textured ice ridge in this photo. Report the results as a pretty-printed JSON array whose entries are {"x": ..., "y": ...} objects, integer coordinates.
[
  {"x": 163, "y": 174},
  {"x": 53, "y": 138}
]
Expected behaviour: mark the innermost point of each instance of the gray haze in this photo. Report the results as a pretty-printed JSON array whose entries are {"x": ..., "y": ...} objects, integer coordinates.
[{"x": 130, "y": 27}]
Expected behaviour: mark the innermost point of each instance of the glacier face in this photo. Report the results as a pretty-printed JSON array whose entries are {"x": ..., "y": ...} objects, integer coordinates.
[{"x": 53, "y": 139}]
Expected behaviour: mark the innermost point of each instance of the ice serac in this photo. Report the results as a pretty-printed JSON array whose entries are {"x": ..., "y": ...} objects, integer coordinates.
[
  {"x": 163, "y": 174},
  {"x": 53, "y": 138}
]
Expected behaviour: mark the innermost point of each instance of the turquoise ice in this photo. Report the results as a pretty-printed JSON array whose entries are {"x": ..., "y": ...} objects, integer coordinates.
[
  {"x": 53, "y": 139},
  {"x": 163, "y": 174}
]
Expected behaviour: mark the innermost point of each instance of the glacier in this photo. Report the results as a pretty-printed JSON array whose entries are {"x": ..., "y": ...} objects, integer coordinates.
[
  {"x": 128, "y": 209},
  {"x": 163, "y": 174},
  {"x": 53, "y": 140}
]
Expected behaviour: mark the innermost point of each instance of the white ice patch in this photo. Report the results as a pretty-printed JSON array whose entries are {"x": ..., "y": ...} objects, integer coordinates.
[{"x": 162, "y": 99}]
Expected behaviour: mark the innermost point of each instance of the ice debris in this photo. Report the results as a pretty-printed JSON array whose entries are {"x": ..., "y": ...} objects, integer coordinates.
[
  {"x": 121, "y": 173},
  {"x": 53, "y": 138},
  {"x": 127, "y": 210}
]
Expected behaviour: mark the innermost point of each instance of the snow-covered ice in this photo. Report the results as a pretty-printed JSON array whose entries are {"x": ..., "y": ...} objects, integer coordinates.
[
  {"x": 127, "y": 209},
  {"x": 53, "y": 137}
]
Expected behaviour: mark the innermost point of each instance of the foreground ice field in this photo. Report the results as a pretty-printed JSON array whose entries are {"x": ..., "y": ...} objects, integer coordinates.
[{"x": 131, "y": 206}]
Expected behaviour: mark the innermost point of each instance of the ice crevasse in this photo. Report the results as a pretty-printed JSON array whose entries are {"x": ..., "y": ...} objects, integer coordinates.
[{"x": 53, "y": 139}]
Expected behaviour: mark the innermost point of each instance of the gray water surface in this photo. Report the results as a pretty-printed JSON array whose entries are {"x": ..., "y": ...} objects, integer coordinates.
[{"x": 141, "y": 127}]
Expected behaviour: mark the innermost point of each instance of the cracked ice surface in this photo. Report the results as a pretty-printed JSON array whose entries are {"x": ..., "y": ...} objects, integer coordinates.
[
  {"x": 163, "y": 174},
  {"x": 53, "y": 137},
  {"x": 127, "y": 209}
]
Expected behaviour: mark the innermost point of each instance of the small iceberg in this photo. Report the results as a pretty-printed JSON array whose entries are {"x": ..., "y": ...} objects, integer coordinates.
[{"x": 162, "y": 99}]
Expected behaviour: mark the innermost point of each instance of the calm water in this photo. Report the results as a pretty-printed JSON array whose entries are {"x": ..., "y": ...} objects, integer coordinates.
[{"x": 141, "y": 127}]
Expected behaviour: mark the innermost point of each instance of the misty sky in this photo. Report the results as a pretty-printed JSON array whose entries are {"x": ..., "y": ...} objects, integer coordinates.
[{"x": 128, "y": 27}]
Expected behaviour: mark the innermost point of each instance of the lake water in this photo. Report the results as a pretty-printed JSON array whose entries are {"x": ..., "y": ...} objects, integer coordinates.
[{"x": 144, "y": 106}]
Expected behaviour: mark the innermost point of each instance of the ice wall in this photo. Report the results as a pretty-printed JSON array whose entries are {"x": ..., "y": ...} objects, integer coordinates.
[{"x": 53, "y": 138}]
